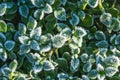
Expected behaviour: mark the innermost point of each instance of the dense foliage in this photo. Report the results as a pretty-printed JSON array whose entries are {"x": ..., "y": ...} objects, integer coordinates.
[{"x": 59, "y": 40}]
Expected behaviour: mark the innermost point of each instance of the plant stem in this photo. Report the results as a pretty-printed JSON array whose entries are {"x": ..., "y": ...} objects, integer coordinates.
[
  {"x": 114, "y": 3},
  {"x": 56, "y": 51}
]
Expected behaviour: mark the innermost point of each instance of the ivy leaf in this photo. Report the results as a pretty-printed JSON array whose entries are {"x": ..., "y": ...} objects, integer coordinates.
[
  {"x": 47, "y": 66},
  {"x": 38, "y": 3},
  {"x": 62, "y": 76},
  {"x": 81, "y": 15},
  {"x": 63, "y": 2},
  {"x": 3, "y": 26},
  {"x": 47, "y": 9},
  {"x": 61, "y": 26},
  {"x": 23, "y": 39},
  {"x": 3, "y": 56},
  {"x": 24, "y": 49},
  {"x": 2, "y": 9},
  {"x": 24, "y": 11},
  {"x": 50, "y": 1},
  {"x": 112, "y": 61},
  {"x": 58, "y": 41},
  {"x": 60, "y": 14},
  {"x": 22, "y": 28},
  {"x": 80, "y": 32},
  {"x": 13, "y": 65},
  {"x": 84, "y": 57},
  {"x": 93, "y": 3},
  {"x": 99, "y": 35},
  {"x": 111, "y": 71},
  {"x": 106, "y": 19},
  {"x": 39, "y": 14},
  {"x": 93, "y": 74},
  {"x": 102, "y": 44},
  {"x": 37, "y": 68},
  {"x": 115, "y": 24},
  {"x": 36, "y": 33},
  {"x": 74, "y": 20},
  {"x": 74, "y": 64},
  {"x": 34, "y": 45},
  {"x": 87, "y": 67},
  {"x": 117, "y": 39},
  {"x": 2, "y": 37},
  {"x": 84, "y": 77},
  {"x": 32, "y": 23},
  {"x": 9, "y": 45}
]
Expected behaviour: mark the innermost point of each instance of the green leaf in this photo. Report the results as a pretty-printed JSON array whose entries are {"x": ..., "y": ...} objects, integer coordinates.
[
  {"x": 24, "y": 11},
  {"x": 117, "y": 39},
  {"x": 84, "y": 57},
  {"x": 63, "y": 2},
  {"x": 74, "y": 19},
  {"x": 58, "y": 41},
  {"x": 2, "y": 37},
  {"x": 3, "y": 26},
  {"x": 61, "y": 26},
  {"x": 111, "y": 71},
  {"x": 112, "y": 61},
  {"x": 34, "y": 45},
  {"x": 13, "y": 65},
  {"x": 32, "y": 23},
  {"x": 87, "y": 67},
  {"x": 99, "y": 35},
  {"x": 38, "y": 3},
  {"x": 60, "y": 14},
  {"x": 47, "y": 9},
  {"x": 3, "y": 56},
  {"x": 115, "y": 24},
  {"x": 50, "y": 1},
  {"x": 3, "y": 7},
  {"x": 21, "y": 77},
  {"x": 102, "y": 44},
  {"x": 23, "y": 39},
  {"x": 84, "y": 77},
  {"x": 93, "y": 3},
  {"x": 74, "y": 64},
  {"x": 81, "y": 15},
  {"x": 39, "y": 14},
  {"x": 62, "y": 76},
  {"x": 22, "y": 28},
  {"x": 80, "y": 32},
  {"x": 24, "y": 49},
  {"x": 106, "y": 19},
  {"x": 93, "y": 74},
  {"x": 48, "y": 66},
  {"x": 9, "y": 45}
]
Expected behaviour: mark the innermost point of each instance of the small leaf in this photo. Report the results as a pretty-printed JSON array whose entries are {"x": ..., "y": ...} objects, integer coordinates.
[
  {"x": 93, "y": 3},
  {"x": 60, "y": 14},
  {"x": 80, "y": 32},
  {"x": 47, "y": 66},
  {"x": 81, "y": 15},
  {"x": 37, "y": 68},
  {"x": 66, "y": 32},
  {"x": 22, "y": 28},
  {"x": 111, "y": 71},
  {"x": 115, "y": 24},
  {"x": 61, "y": 26},
  {"x": 3, "y": 56},
  {"x": 47, "y": 9},
  {"x": 50, "y": 1},
  {"x": 9, "y": 45},
  {"x": 36, "y": 33},
  {"x": 99, "y": 35},
  {"x": 13, "y": 65},
  {"x": 58, "y": 41},
  {"x": 93, "y": 74},
  {"x": 106, "y": 19},
  {"x": 23, "y": 39},
  {"x": 34, "y": 45},
  {"x": 24, "y": 49},
  {"x": 87, "y": 67},
  {"x": 84, "y": 57},
  {"x": 21, "y": 77},
  {"x": 62, "y": 76},
  {"x": 112, "y": 61},
  {"x": 102, "y": 44},
  {"x": 2, "y": 37},
  {"x": 38, "y": 14},
  {"x": 38, "y": 3},
  {"x": 2, "y": 9},
  {"x": 32, "y": 23},
  {"x": 77, "y": 40},
  {"x": 84, "y": 77},
  {"x": 63, "y": 2},
  {"x": 24, "y": 11},
  {"x": 3, "y": 26},
  {"x": 117, "y": 39},
  {"x": 74, "y": 20},
  {"x": 74, "y": 64}
]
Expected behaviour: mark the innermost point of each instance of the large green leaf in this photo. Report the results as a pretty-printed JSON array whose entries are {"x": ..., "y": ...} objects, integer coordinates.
[{"x": 3, "y": 26}]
